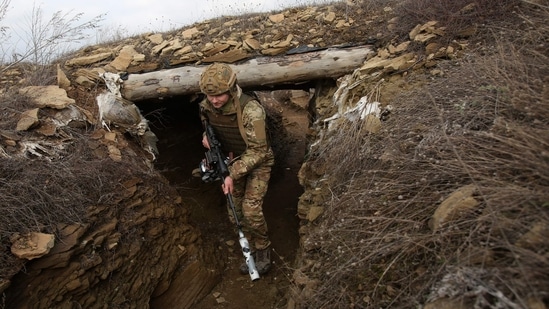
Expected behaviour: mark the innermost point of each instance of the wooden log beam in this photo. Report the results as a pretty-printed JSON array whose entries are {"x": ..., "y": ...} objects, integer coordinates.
[{"x": 254, "y": 73}]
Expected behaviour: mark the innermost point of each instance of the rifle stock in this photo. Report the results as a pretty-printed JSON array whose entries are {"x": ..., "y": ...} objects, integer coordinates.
[{"x": 215, "y": 158}]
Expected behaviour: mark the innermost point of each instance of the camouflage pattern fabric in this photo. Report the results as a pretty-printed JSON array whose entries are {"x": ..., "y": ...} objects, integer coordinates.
[
  {"x": 248, "y": 197},
  {"x": 258, "y": 151},
  {"x": 251, "y": 170}
]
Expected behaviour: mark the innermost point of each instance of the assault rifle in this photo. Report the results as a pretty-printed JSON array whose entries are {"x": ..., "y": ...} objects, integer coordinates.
[{"x": 214, "y": 167}]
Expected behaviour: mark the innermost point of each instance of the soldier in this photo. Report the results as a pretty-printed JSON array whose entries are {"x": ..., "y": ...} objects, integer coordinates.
[{"x": 239, "y": 122}]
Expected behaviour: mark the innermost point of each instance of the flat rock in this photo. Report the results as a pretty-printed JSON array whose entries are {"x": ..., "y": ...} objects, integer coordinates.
[
  {"x": 48, "y": 96},
  {"x": 31, "y": 246},
  {"x": 28, "y": 120}
]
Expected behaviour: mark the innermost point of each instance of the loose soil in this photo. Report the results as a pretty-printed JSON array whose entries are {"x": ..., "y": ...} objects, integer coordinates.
[{"x": 179, "y": 131}]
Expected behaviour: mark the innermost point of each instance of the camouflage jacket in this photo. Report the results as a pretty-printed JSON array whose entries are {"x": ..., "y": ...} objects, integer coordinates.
[{"x": 258, "y": 151}]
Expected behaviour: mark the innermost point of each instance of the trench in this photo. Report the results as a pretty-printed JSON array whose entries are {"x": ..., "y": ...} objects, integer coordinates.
[{"x": 176, "y": 123}]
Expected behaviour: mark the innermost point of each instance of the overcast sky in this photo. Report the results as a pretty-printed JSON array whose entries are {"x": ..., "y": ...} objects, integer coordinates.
[{"x": 140, "y": 16}]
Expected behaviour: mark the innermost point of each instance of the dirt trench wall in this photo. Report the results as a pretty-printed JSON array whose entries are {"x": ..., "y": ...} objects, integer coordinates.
[
  {"x": 129, "y": 254},
  {"x": 139, "y": 247}
]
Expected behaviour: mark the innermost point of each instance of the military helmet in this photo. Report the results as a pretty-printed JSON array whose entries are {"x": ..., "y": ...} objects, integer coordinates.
[{"x": 217, "y": 79}]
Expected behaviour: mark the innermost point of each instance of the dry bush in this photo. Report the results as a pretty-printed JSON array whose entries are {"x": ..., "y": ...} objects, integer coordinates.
[
  {"x": 484, "y": 123},
  {"x": 45, "y": 39},
  {"x": 38, "y": 194},
  {"x": 11, "y": 106},
  {"x": 454, "y": 15},
  {"x": 39, "y": 75}
]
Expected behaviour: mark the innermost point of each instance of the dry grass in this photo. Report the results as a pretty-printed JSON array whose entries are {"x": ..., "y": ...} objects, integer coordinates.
[
  {"x": 456, "y": 17},
  {"x": 484, "y": 123},
  {"x": 46, "y": 182},
  {"x": 38, "y": 194}
]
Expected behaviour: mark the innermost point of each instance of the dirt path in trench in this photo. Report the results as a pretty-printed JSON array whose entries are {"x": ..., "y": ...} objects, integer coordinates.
[{"x": 180, "y": 151}]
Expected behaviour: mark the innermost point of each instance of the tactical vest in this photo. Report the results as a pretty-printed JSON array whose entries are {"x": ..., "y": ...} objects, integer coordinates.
[{"x": 227, "y": 131}]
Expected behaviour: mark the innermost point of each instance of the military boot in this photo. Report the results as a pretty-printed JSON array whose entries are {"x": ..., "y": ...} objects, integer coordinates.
[
  {"x": 263, "y": 260},
  {"x": 244, "y": 266}
]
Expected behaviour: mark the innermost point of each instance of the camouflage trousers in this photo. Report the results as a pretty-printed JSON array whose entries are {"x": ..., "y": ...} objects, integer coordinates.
[{"x": 248, "y": 197}]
